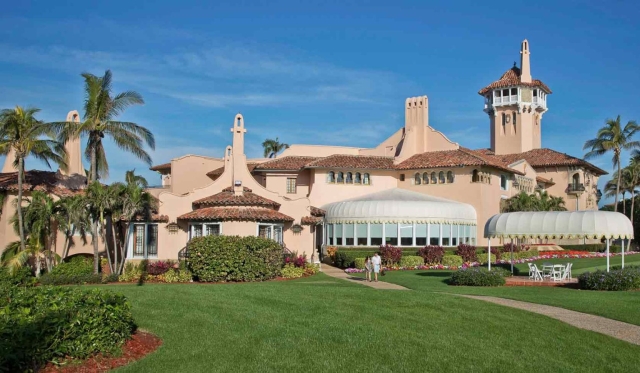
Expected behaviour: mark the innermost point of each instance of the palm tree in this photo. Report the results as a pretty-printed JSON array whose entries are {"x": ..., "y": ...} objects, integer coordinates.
[
  {"x": 22, "y": 134},
  {"x": 131, "y": 178},
  {"x": 72, "y": 217},
  {"x": 101, "y": 107},
  {"x": 101, "y": 200},
  {"x": 613, "y": 138},
  {"x": 273, "y": 147},
  {"x": 633, "y": 171},
  {"x": 539, "y": 201}
]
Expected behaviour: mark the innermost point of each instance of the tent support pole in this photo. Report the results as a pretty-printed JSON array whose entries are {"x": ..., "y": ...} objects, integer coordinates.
[
  {"x": 512, "y": 256},
  {"x": 489, "y": 254},
  {"x": 628, "y": 242},
  {"x": 607, "y": 255}
]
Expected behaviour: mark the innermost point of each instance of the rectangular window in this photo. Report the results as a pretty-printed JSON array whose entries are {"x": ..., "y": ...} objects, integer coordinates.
[
  {"x": 264, "y": 231},
  {"x": 348, "y": 234},
  {"x": 376, "y": 234},
  {"x": 152, "y": 240},
  {"x": 406, "y": 234},
  {"x": 472, "y": 236},
  {"x": 446, "y": 235},
  {"x": 272, "y": 231},
  {"x": 454, "y": 235},
  {"x": 197, "y": 231},
  {"x": 338, "y": 228},
  {"x": 138, "y": 240},
  {"x": 421, "y": 235},
  {"x": 391, "y": 234},
  {"x": 361, "y": 231},
  {"x": 212, "y": 230},
  {"x": 291, "y": 185},
  {"x": 277, "y": 233},
  {"x": 330, "y": 234},
  {"x": 434, "y": 234}
]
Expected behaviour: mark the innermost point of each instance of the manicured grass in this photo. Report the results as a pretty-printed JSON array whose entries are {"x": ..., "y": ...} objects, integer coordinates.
[
  {"x": 325, "y": 324},
  {"x": 584, "y": 264}
]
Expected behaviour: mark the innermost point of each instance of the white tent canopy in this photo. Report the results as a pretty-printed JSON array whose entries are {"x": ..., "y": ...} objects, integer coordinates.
[
  {"x": 560, "y": 224},
  {"x": 402, "y": 206}
]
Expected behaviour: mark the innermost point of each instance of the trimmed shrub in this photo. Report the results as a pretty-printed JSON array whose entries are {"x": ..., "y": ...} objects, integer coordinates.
[
  {"x": 158, "y": 268},
  {"x": 616, "y": 280},
  {"x": 596, "y": 248},
  {"x": 495, "y": 252},
  {"x": 346, "y": 259},
  {"x": 42, "y": 324},
  {"x": 177, "y": 275},
  {"x": 77, "y": 265},
  {"x": 291, "y": 271},
  {"x": 311, "y": 269},
  {"x": 359, "y": 263},
  {"x": 296, "y": 260},
  {"x": 21, "y": 277},
  {"x": 54, "y": 279},
  {"x": 132, "y": 272},
  {"x": 432, "y": 254},
  {"x": 411, "y": 261},
  {"x": 452, "y": 260},
  {"x": 390, "y": 254},
  {"x": 467, "y": 253},
  {"x": 234, "y": 258},
  {"x": 483, "y": 258},
  {"x": 477, "y": 276}
]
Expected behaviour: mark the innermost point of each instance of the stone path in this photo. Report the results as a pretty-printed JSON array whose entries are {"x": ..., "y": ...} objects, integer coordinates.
[
  {"x": 602, "y": 325},
  {"x": 341, "y": 274}
]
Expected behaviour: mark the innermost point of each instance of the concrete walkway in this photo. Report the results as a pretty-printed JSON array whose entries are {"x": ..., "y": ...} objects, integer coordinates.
[
  {"x": 341, "y": 274},
  {"x": 602, "y": 325}
]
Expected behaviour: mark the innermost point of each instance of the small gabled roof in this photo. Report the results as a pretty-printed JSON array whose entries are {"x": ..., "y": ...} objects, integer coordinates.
[
  {"x": 236, "y": 214},
  {"x": 453, "y": 158},
  {"x": 368, "y": 162},
  {"x": 544, "y": 157},
  {"x": 228, "y": 198},
  {"x": 288, "y": 163},
  {"x": 512, "y": 78},
  {"x": 44, "y": 181},
  {"x": 161, "y": 167}
]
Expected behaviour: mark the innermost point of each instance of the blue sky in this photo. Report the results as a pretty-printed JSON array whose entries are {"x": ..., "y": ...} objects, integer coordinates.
[{"x": 323, "y": 73}]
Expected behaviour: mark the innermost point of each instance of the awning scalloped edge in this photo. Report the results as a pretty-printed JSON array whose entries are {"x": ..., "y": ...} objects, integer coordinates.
[
  {"x": 563, "y": 236},
  {"x": 382, "y": 220}
]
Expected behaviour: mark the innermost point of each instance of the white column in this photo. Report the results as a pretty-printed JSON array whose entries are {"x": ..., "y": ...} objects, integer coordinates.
[
  {"x": 368, "y": 234},
  {"x": 413, "y": 243},
  {"x": 384, "y": 234},
  {"x": 607, "y": 255},
  {"x": 489, "y": 254},
  {"x": 398, "y": 232},
  {"x": 428, "y": 234},
  {"x": 440, "y": 239}
]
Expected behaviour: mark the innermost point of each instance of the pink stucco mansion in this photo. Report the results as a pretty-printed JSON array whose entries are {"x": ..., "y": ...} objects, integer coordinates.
[{"x": 415, "y": 188}]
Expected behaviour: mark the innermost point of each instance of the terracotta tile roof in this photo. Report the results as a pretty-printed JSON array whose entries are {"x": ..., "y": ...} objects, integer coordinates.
[
  {"x": 218, "y": 171},
  {"x": 353, "y": 161},
  {"x": 45, "y": 181},
  {"x": 316, "y": 211},
  {"x": 543, "y": 180},
  {"x": 510, "y": 78},
  {"x": 228, "y": 198},
  {"x": 311, "y": 220},
  {"x": 236, "y": 214},
  {"x": 453, "y": 158},
  {"x": 161, "y": 167},
  {"x": 292, "y": 163},
  {"x": 154, "y": 218},
  {"x": 546, "y": 158}
]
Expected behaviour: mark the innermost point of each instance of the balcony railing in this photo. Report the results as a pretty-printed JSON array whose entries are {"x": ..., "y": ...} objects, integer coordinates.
[
  {"x": 575, "y": 188},
  {"x": 505, "y": 100}
]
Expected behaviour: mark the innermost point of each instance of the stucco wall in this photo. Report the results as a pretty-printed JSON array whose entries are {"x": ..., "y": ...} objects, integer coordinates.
[
  {"x": 318, "y": 150},
  {"x": 323, "y": 192},
  {"x": 190, "y": 172}
]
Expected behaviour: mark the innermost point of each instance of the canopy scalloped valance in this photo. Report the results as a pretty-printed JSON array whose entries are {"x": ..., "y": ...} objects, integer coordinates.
[
  {"x": 559, "y": 224},
  {"x": 399, "y": 221}
]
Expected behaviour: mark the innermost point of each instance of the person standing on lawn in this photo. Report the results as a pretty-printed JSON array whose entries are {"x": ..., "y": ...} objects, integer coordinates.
[
  {"x": 368, "y": 267},
  {"x": 376, "y": 261}
]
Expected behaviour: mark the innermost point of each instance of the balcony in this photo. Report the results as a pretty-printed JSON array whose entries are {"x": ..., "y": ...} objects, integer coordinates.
[
  {"x": 575, "y": 189},
  {"x": 505, "y": 100}
]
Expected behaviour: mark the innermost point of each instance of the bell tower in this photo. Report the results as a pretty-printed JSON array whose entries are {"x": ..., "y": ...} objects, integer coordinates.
[{"x": 515, "y": 104}]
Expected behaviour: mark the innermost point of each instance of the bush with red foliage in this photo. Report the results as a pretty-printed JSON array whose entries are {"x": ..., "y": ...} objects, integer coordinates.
[
  {"x": 158, "y": 268},
  {"x": 432, "y": 254},
  {"x": 495, "y": 251},
  {"x": 467, "y": 252},
  {"x": 298, "y": 261},
  {"x": 390, "y": 254},
  {"x": 507, "y": 248}
]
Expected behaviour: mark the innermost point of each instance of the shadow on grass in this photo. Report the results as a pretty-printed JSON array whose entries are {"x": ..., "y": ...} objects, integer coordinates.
[{"x": 434, "y": 274}]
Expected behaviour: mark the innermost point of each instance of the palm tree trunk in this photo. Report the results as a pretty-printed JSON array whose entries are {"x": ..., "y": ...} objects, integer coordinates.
[
  {"x": 96, "y": 257},
  {"x": 19, "y": 205},
  {"x": 615, "y": 208},
  {"x": 633, "y": 200},
  {"x": 65, "y": 250},
  {"x": 624, "y": 202},
  {"x": 94, "y": 166},
  {"x": 106, "y": 241},
  {"x": 125, "y": 247}
]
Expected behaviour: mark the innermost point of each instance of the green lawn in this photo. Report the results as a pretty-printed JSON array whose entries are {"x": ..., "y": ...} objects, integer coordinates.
[
  {"x": 583, "y": 265},
  {"x": 325, "y": 324},
  {"x": 621, "y": 306}
]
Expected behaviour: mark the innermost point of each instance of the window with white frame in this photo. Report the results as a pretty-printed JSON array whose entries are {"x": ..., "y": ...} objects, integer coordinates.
[
  {"x": 204, "y": 229},
  {"x": 144, "y": 240},
  {"x": 504, "y": 185},
  {"x": 272, "y": 231},
  {"x": 291, "y": 185}
]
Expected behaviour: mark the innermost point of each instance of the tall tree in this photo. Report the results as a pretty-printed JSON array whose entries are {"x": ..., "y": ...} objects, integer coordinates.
[
  {"x": 633, "y": 171},
  {"x": 101, "y": 200},
  {"x": 131, "y": 178},
  {"x": 72, "y": 218},
  {"x": 273, "y": 147},
  {"x": 538, "y": 201},
  {"x": 25, "y": 135},
  {"x": 613, "y": 138}
]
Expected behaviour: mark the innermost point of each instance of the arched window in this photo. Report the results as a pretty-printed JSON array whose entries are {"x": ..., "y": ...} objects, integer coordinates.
[
  {"x": 434, "y": 178},
  {"x": 331, "y": 177},
  {"x": 450, "y": 177},
  {"x": 514, "y": 122},
  {"x": 349, "y": 178},
  {"x": 416, "y": 179},
  {"x": 365, "y": 179},
  {"x": 340, "y": 178},
  {"x": 358, "y": 179},
  {"x": 425, "y": 178},
  {"x": 576, "y": 181},
  {"x": 504, "y": 123},
  {"x": 441, "y": 178},
  {"x": 503, "y": 182},
  {"x": 475, "y": 176}
]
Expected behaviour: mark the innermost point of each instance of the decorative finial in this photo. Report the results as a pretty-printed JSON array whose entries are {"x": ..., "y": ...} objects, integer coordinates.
[{"x": 514, "y": 63}]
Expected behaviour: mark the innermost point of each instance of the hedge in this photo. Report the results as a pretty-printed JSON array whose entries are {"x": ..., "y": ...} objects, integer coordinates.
[
  {"x": 44, "y": 323},
  {"x": 615, "y": 280},
  {"x": 77, "y": 265},
  {"x": 64, "y": 279},
  {"x": 452, "y": 260},
  {"x": 597, "y": 247},
  {"x": 411, "y": 261},
  {"x": 234, "y": 258},
  {"x": 477, "y": 276},
  {"x": 21, "y": 277}
]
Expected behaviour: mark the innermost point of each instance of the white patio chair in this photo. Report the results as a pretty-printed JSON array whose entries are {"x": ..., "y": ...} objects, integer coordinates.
[
  {"x": 537, "y": 275},
  {"x": 532, "y": 271},
  {"x": 567, "y": 272}
]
